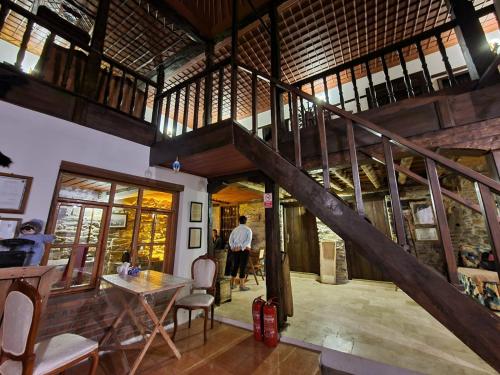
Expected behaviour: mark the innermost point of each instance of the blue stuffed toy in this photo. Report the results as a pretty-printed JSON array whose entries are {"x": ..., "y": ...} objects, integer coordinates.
[{"x": 31, "y": 230}]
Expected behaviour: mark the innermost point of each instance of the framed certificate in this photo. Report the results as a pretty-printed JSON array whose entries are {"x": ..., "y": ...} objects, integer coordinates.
[
  {"x": 194, "y": 241},
  {"x": 14, "y": 192},
  {"x": 195, "y": 215},
  {"x": 9, "y": 227}
]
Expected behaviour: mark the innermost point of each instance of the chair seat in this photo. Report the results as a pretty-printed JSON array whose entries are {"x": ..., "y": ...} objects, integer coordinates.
[
  {"x": 57, "y": 351},
  {"x": 197, "y": 299},
  {"x": 10, "y": 367}
]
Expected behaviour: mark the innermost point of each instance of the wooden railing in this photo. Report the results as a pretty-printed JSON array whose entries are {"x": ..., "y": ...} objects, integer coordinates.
[
  {"x": 205, "y": 87},
  {"x": 63, "y": 61},
  {"x": 486, "y": 188},
  {"x": 365, "y": 65}
]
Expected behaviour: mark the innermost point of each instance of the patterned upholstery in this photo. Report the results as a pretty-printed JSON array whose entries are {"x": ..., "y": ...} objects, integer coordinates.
[
  {"x": 203, "y": 273},
  {"x": 10, "y": 367}
]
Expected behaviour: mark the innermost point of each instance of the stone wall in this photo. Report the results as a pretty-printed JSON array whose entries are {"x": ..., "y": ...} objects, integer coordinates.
[
  {"x": 255, "y": 214},
  {"x": 326, "y": 234}
]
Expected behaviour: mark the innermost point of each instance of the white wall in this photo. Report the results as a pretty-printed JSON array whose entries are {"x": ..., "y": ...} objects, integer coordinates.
[{"x": 37, "y": 144}]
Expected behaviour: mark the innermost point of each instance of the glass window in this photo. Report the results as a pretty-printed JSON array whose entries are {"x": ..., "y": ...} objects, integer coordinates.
[
  {"x": 66, "y": 224},
  {"x": 119, "y": 241},
  {"x": 126, "y": 195},
  {"x": 83, "y": 188},
  {"x": 157, "y": 199}
]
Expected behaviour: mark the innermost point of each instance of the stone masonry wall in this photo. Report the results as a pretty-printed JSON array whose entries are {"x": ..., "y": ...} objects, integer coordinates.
[
  {"x": 255, "y": 214},
  {"x": 326, "y": 234}
]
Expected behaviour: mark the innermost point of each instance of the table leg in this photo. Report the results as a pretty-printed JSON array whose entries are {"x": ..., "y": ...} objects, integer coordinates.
[
  {"x": 158, "y": 328},
  {"x": 113, "y": 327}
]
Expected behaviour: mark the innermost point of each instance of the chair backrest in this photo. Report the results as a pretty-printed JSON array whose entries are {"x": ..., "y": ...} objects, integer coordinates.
[
  {"x": 204, "y": 272},
  {"x": 20, "y": 322}
]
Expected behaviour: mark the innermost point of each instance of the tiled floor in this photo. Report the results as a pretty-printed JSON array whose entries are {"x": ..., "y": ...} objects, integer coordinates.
[
  {"x": 229, "y": 350},
  {"x": 369, "y": 319}
]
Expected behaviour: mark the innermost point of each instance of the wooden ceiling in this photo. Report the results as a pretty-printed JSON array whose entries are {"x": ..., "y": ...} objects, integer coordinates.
[{"x": 236, "y": 193}]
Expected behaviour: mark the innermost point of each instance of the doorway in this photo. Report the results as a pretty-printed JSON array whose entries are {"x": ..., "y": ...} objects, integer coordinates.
[{"x": 301, "y": 239}]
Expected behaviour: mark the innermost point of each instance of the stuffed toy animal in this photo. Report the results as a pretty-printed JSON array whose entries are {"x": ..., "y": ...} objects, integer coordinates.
[{"x": 31, "y": 230}]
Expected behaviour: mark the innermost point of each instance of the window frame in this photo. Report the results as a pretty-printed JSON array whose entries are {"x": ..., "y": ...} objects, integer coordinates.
[{"x": 115, "y": 178}]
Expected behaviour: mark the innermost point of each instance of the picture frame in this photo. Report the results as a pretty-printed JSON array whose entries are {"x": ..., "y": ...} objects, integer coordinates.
[
  {"x": 118, "y": 221},
  {"x": 14, "y": 192},
  {"x": 9, "y": 227},
  {"x": 426, "y": 234},
  {"x": 194, "y": 240},
  {"x": 196, "y": 212},
  {"x": 422, "y": 212}
]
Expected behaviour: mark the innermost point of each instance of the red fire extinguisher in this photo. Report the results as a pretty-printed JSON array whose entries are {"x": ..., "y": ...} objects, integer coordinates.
[
  {"x": 257, "y": 305},
  {"x": 270, "y": 314}
]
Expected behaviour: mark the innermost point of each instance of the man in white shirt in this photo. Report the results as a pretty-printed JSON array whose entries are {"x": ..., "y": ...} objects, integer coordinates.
[{"x": 240, "y": 241}]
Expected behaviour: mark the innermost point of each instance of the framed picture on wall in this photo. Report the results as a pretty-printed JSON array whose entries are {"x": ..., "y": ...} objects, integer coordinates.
[
  {"x": 426, "y": 234},
  {"x": 118, "y": 221},
  {"x": 194, "y": 241},
  {"x": 9, "y": 227},
  {"x": 14, "y": 192},
  {"x": 195, "y": 213},
  {"x": 422, "y": 213}
]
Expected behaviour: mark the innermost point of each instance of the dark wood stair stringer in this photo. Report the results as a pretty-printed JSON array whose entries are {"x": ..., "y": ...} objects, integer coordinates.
[{"x": 472, "y": 323}]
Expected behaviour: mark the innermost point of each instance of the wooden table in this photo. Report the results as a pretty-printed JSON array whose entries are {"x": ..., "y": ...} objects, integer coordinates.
[{"x": 146, "y": 283}]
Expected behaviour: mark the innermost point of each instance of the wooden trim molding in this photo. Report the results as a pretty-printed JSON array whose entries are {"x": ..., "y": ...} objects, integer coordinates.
[{"x": 67, "y": 166}]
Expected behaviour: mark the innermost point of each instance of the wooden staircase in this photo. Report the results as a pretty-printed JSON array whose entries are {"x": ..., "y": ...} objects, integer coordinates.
[{"x": 232, "y": 144}]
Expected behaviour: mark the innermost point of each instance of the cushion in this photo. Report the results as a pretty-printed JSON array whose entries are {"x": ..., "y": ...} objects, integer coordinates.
[
  {"x": 60, "y": 350},
  {"x": 198, "y": 299},
  {"x": 11, "y": 367},
  {"x": 18, "y": 315}
]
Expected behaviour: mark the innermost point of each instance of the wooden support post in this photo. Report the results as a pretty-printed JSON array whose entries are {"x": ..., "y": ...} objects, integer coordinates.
[
  {"x": 325, "y": 90},
  {"x": 276, "y": 67},
  {"x": 207, "y": 102},
  {"x": 397, "y": 212},
  {"x": 132, "y": 99},
  {"x": 355, "y": 169},
  {"x": 440, "y": 215},
  {"x": 341, "y": 93},
  {"x": 274, "y": 271},
  {"x": 220, "y": 94},
  {"x": 274, "y": 119},
  {"x": 187, "y": 94},
  {"x": 144, "y": 101},
  {"x": 471, "y": 38},
  {"x": 196, "y": 104},
  {"x": 93, "y": 65},
  {"x": 176, "y": 112},
  {"x": 294, "y": 119},
  {"x": 158, "y": 101},
  {"x": 24, "y": 44},
  {"x": 489, "y": 209},
  {"x": 167, "y": 115},
  {"x": 3, "y": 13},
  {"x": 210, "y": 227},
  {"x": 234, "y": 59},
  {"x": 254, "y": 103},
  {"x": 324, "y": 147}
]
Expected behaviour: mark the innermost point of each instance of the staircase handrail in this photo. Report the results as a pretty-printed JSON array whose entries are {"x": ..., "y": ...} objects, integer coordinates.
[{"x": 379, "y": 131}]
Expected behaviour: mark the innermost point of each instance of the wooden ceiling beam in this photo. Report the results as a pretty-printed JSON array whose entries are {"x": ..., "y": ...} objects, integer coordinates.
[
  {"x": 343, "y": 177},
  {"x": 405, "y": 163},
  {"x": 371, "y": 174}
]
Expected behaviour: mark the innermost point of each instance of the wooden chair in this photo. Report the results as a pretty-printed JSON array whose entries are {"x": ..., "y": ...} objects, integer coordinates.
[
  {"x": 21, "y": 355},
  {"x": 255, "y": 264},
  {"x": 204, "y": 274}
]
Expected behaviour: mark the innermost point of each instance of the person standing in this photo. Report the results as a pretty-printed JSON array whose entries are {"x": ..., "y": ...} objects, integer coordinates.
[
  {"x": 240, "y": 241},
  {"x": 217, "y": 240}
]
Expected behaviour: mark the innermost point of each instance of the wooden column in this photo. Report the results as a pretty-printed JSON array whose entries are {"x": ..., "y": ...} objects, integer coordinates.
[
  {"x": 471, "y": 38},
  {"x": 234, "y": 59},
  {"x": 93, "y": 65},
  {"x": 274, "y": 272},
  {"x": 158, "y": 102},
  {"x": 207, "y": 102},
  {"x": 276, "y": 68}
]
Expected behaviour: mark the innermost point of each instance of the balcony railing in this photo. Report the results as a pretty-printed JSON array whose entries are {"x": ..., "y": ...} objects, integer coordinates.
[{"x": 63, "y": 60}]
